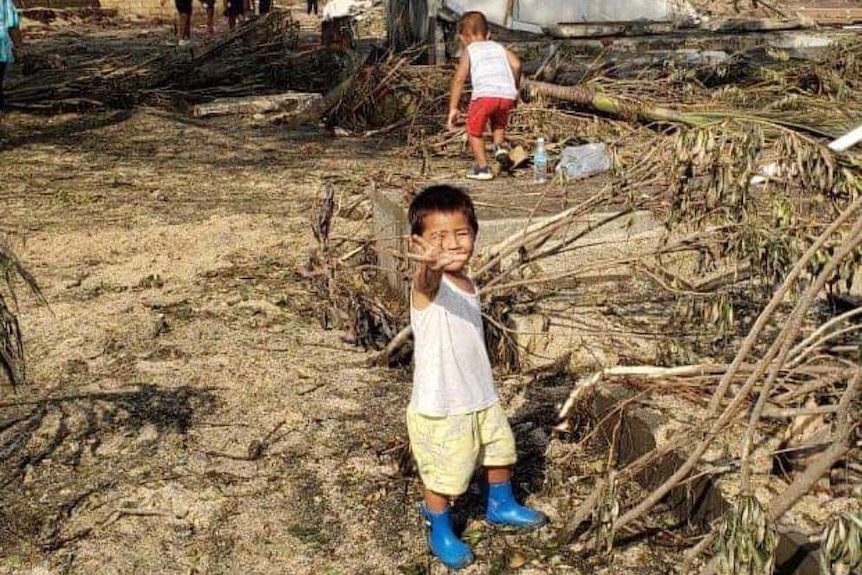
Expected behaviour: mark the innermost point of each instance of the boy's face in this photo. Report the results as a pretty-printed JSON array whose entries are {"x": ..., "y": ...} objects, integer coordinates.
[{"x": 449, "y": 231}]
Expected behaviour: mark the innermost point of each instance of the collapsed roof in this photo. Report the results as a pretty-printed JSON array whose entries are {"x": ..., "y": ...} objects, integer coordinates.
[{"x": 537, "y": 15}]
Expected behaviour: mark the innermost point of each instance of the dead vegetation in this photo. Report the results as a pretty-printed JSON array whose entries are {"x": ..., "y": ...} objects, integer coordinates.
[{"x": 12, "y": 271}]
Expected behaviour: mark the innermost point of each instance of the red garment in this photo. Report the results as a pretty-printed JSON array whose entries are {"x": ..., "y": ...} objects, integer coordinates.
[{"x": 482, "y": 110}]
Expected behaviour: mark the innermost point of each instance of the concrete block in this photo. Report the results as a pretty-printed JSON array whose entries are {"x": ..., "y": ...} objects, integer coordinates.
[
  {"x": 390, "y": 230},
  {"x": 568, "y": 321},
  {"x": 637, "y": 431},
  {"x": 623, "y": 237}
]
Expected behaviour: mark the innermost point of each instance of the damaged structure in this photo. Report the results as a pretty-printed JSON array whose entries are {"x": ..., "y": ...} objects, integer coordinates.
[{"x": 412, "y": 22}]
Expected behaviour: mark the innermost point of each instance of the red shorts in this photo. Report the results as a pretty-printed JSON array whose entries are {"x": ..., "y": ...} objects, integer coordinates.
[{"x": 482, "y": 110}]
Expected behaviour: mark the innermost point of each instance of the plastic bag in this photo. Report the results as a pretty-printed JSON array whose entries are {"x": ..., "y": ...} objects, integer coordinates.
[{"x": 582, "y": 161}]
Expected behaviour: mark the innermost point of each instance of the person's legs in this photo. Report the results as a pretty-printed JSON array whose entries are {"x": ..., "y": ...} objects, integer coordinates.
[
  {"x": 499, "y": 121},
  {"x": 499, "y": 135},
  {"x": 499, "y": 118},
  {"x": 435, "y": 502},
  {"x": 232, "y": 12},
  {"x": 184, "y": 19},
  {"x": 209, "y": 6},
  {"x": 477, "y": 147},
  {"x": 477, "y": 119},
  {"x": 445, "y": 474},
  {"x": 2, "y": 74},
  {"x": 182, "y": 23}
]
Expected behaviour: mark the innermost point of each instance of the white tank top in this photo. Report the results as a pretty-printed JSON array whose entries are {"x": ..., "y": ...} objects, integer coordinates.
[
  {"x": 451, "y": 374},
  {"x": 490, "y": 73}
]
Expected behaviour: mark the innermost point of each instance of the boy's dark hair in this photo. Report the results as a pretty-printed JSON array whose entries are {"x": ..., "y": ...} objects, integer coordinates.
[
  {"x": 473, "y": 24},
  {"x": 440, "y": 198}
]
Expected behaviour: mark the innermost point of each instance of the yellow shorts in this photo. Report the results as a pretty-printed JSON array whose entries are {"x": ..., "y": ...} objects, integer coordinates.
[{"x": 447, "y": 448}]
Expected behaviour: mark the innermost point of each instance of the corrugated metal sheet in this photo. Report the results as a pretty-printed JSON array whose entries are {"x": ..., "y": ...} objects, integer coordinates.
[
  {"x": 536, "y": 14},
  {"x": 543, "y": 12}
]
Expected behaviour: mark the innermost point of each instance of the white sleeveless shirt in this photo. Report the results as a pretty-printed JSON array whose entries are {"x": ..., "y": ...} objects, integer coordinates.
[
  {"x": 490, "y": 73},
  {"x": 452, "y": 373}
]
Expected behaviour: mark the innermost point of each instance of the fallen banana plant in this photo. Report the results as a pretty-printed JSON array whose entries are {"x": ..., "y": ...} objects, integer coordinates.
[
  {"x": 841, "y": 545},
  {"x": 11, "y": 346},
  {"x": 746, "y": 540}
]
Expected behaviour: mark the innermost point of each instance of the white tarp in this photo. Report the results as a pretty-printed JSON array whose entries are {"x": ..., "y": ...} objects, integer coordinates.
[{"x": 540, "y": 13}]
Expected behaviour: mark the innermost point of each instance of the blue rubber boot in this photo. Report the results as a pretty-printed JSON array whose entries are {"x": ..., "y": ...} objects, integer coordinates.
[
  {"x": 444, "y": 544},
  {"x": 504, "y": 510}
]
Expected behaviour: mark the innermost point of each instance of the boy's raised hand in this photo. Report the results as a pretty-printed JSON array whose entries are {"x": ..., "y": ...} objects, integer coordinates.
[
  {"x": 452, "y": 118},
  {"x": 432, "y": 256}
]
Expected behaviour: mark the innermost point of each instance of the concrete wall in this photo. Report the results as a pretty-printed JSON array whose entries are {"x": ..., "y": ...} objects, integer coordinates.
[
  {"x": 25, "y": 4},
  {"x": 145, "y": 8}
]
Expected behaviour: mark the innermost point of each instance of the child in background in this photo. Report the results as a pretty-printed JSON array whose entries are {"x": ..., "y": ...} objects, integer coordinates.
[
  {"x": 235, "y": 12},
  {"x": 454, "y": 419},
  {"x": 495, "y": 74},
  {"x": 183, "y": 25},
  {"x": 209, "y": 8},
  {"x": 10, "y": 41}
]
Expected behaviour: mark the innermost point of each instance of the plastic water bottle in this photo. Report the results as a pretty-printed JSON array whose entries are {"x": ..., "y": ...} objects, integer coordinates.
[{"x": 540, "y": 162}]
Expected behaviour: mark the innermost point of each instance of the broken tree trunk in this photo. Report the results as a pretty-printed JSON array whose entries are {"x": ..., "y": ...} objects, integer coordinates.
[
  {"x": 627, "y": 109},
  {"x": 631, "y": 110},
  {"x": 296, "y": 102}
]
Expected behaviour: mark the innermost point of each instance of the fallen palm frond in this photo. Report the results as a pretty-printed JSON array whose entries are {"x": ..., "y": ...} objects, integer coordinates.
[
  {"x": 11, "y": 346},
  {"x": 257, "y": 57}
]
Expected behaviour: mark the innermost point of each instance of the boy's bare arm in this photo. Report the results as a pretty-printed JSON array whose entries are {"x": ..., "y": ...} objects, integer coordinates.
[
  {"x": 426, "y": 279},
  {"x": 515, "y": 65},
  {"x": 426, "y": 282},
  {"x": 457, "y": 89}
]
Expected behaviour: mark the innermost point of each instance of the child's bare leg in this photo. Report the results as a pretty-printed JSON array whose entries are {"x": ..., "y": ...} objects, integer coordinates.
[
  {"x": 499, "y": 474},
  {"x": 499, "y": 137},
  {"x": 181, "y": 25},
  {"x": 185, "y": 26},
  {"x": 477, "y": 146},
  {"x": 435, "y": 502}
]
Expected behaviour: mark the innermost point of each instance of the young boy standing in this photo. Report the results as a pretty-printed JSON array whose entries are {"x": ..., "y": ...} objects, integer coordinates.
[
  {"x": 495, "y": 74},
  {"x": 454, "y": 419}
]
